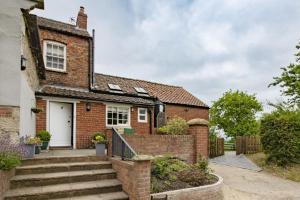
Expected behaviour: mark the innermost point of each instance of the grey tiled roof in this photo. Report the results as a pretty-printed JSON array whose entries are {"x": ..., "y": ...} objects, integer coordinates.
[
  {"x": 165, "y": 93},
  {"x": 61, "y": 27},
  {"x": 59, "y": 91}
]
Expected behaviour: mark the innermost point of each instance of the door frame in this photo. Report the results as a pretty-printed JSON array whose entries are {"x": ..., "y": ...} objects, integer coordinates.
[{"x": 63, "y": 100}]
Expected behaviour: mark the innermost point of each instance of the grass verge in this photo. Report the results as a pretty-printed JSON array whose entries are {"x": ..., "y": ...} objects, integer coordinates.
[{"x": 291, "y": 172}]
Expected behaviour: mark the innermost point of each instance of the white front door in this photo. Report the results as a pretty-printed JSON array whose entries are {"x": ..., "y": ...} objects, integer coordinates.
[{"x": 60, "y": 124}]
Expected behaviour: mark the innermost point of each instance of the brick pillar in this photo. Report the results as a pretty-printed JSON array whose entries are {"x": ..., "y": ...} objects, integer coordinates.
[
  {"x": 141, "y": 173},
  {"x": 199, "y": 128},
  {"x": 134, "y": 176}
]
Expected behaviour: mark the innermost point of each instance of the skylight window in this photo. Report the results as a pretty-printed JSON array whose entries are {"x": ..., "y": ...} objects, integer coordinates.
[
  {"x": 114, "y": 87},
  {"x": 141, "y": 90}
]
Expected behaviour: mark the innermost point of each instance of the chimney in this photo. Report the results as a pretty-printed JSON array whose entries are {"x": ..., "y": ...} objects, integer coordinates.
[{"x": 81, "y": 19}]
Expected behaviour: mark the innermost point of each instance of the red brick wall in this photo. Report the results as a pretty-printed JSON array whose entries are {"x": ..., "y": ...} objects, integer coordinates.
[
  {"x": 135, "y": 177},
  {"x": 6, "y": 111},
  {"x": 41, "y": 117},
  {"x": 186, "y": 112},
  {"x": 89, "y": 122},
  {"x": 178, "y": 145},
  {"x": 77, "y": 60},
  {"x": 139, "y": 127}
]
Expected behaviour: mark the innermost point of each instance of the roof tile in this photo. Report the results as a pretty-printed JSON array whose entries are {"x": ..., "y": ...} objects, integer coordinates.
[{"x": 165, "y": 93}]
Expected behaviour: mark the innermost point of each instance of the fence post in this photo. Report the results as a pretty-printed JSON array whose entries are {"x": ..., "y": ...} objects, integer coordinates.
[{"x": 199, "y": 128}]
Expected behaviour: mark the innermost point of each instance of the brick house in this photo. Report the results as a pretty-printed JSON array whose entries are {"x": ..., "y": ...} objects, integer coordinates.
[{"x": 78, "y": 102}]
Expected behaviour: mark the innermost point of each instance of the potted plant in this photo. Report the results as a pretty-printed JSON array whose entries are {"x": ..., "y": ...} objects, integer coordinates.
[
  {"x": 38, "y": 144},
  {"x": 30, "y": 143},
  {"x": 99, "y": 139},
  {"x": 45, "y": 137}
]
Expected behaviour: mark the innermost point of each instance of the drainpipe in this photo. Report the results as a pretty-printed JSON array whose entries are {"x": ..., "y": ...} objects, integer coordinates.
[
  {"x": 150, "y": 120},
  {"x": 92, "y": 60}
]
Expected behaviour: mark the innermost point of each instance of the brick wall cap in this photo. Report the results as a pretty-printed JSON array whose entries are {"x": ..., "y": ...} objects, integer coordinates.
[
  {"x": 198, "y": 121},
  {"x": 142, "y": 158}
]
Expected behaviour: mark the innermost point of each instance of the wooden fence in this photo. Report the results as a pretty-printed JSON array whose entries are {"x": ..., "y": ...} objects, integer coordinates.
[
  {"x": 216, "y": 147},
  {"x": 248, "y": 144}
]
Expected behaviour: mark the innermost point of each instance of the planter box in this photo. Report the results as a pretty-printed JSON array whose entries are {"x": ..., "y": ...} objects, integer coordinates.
[
  {"x": 45, "y": 145},
  {"x": 100, "y": 149},
  {"x": 30, "y": 150},
  {"x": 205, "y": 192}
]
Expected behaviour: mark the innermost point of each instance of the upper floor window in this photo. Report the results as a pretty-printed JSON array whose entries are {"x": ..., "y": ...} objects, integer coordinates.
[{"x": 55, "y": 56}]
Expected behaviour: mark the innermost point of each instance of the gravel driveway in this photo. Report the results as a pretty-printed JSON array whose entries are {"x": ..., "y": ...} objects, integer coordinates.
[{"x": 244, "y": 184}]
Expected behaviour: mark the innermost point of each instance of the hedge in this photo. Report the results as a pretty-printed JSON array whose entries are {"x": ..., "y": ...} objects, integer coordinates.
[{"x": 280, "y": 136}]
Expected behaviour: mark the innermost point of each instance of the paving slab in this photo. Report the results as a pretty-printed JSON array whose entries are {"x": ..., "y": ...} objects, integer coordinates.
[{"x": 231, "y": 159}]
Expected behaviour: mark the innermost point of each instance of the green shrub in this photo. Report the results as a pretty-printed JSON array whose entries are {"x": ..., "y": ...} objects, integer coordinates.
[
  {"x": 45, "y": 136},
  {"x": 280, "y": 136},
  {"x": 9, "y": 161},
  {"x": 170, "y": 173},
  {"x": 202, "y": 164},
  {"x": 175, "y": 126},
  {"x": 165, "y": 167},
  {"x": 99, "y": 138}
]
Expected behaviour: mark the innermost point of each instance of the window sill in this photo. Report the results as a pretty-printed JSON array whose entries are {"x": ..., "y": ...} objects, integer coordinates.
[
  {"x": 58, "y": 71},
  {"x": 143, "y": 122}
]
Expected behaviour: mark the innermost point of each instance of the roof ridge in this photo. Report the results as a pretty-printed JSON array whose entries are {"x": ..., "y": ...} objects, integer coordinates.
[
  {"x": 53, "y": 20},
  {"x": 152, "y": 82}
]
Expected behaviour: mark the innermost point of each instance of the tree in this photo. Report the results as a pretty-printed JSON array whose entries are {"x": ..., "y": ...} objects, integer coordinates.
[
  {"x": 234, "y": 113},
  {"x": 289, "y": 80}
]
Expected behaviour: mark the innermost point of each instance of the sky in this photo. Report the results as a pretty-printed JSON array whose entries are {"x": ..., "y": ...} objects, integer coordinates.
[{"x": 207, "y": 47}]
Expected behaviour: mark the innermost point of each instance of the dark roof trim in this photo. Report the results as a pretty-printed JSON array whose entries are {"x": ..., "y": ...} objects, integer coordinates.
[
  {"x": 187, "y": 105},
  {"x": 124, "y": 94},
  {"x": 63, "y": 32},
  {"x": 34, "y": 42},
  {"x": 39, "y": 4},
  {"x": 92, "y": 99}
]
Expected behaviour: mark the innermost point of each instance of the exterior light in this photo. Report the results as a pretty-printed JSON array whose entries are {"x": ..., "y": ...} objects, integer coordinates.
[
  {"x": 23, "y": 62},
  {"x": 88, "y": 106}
]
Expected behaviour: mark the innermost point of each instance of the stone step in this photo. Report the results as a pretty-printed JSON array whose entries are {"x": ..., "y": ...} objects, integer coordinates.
[
  {"x": 62, "y": 159},
  {"x": 62, "y": 167},
  {"x": 31, "y": 180},
  {"x": 107, "y": 196},
  {"x": 66, "y": 190}
]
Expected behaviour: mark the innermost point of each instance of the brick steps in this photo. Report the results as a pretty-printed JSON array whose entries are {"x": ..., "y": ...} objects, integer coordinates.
[
  {"x": 62, "y": 167},
  {"x": 61, "y": 159},
  {"x": 79, "y": 177},
  {"x": 64, "y": 190},
  {"x": 29, "y": 180},
  {"x": 107, "y": 196}
]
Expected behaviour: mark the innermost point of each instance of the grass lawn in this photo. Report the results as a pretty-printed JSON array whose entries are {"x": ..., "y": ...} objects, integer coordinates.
[{"x": 292, "y": 172}]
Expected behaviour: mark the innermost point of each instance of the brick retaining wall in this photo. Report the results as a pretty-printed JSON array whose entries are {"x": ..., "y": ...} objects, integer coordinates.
[
  {"x": 206, "y": 192},
  {"x": 134, "y": 176},
  {"x": 5, "y": 176},
  {"x": 182, "y": 146}
]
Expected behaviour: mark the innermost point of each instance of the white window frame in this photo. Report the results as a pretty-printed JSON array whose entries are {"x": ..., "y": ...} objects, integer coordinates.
[
  {"x": 118, "y": 106},
  {"x": 45, "y": 55},
  {"x": 146, "y": 115}
]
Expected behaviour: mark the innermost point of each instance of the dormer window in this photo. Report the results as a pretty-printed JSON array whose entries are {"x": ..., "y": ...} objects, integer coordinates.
[
  {"x": 114, "y": 87},
  {"x": 140, "y": 90},
  {"x": 55, "y": 56}
]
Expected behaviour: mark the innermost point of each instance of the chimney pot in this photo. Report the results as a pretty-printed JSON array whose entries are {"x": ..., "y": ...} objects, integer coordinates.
[{"x": 81, "y": 19}]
